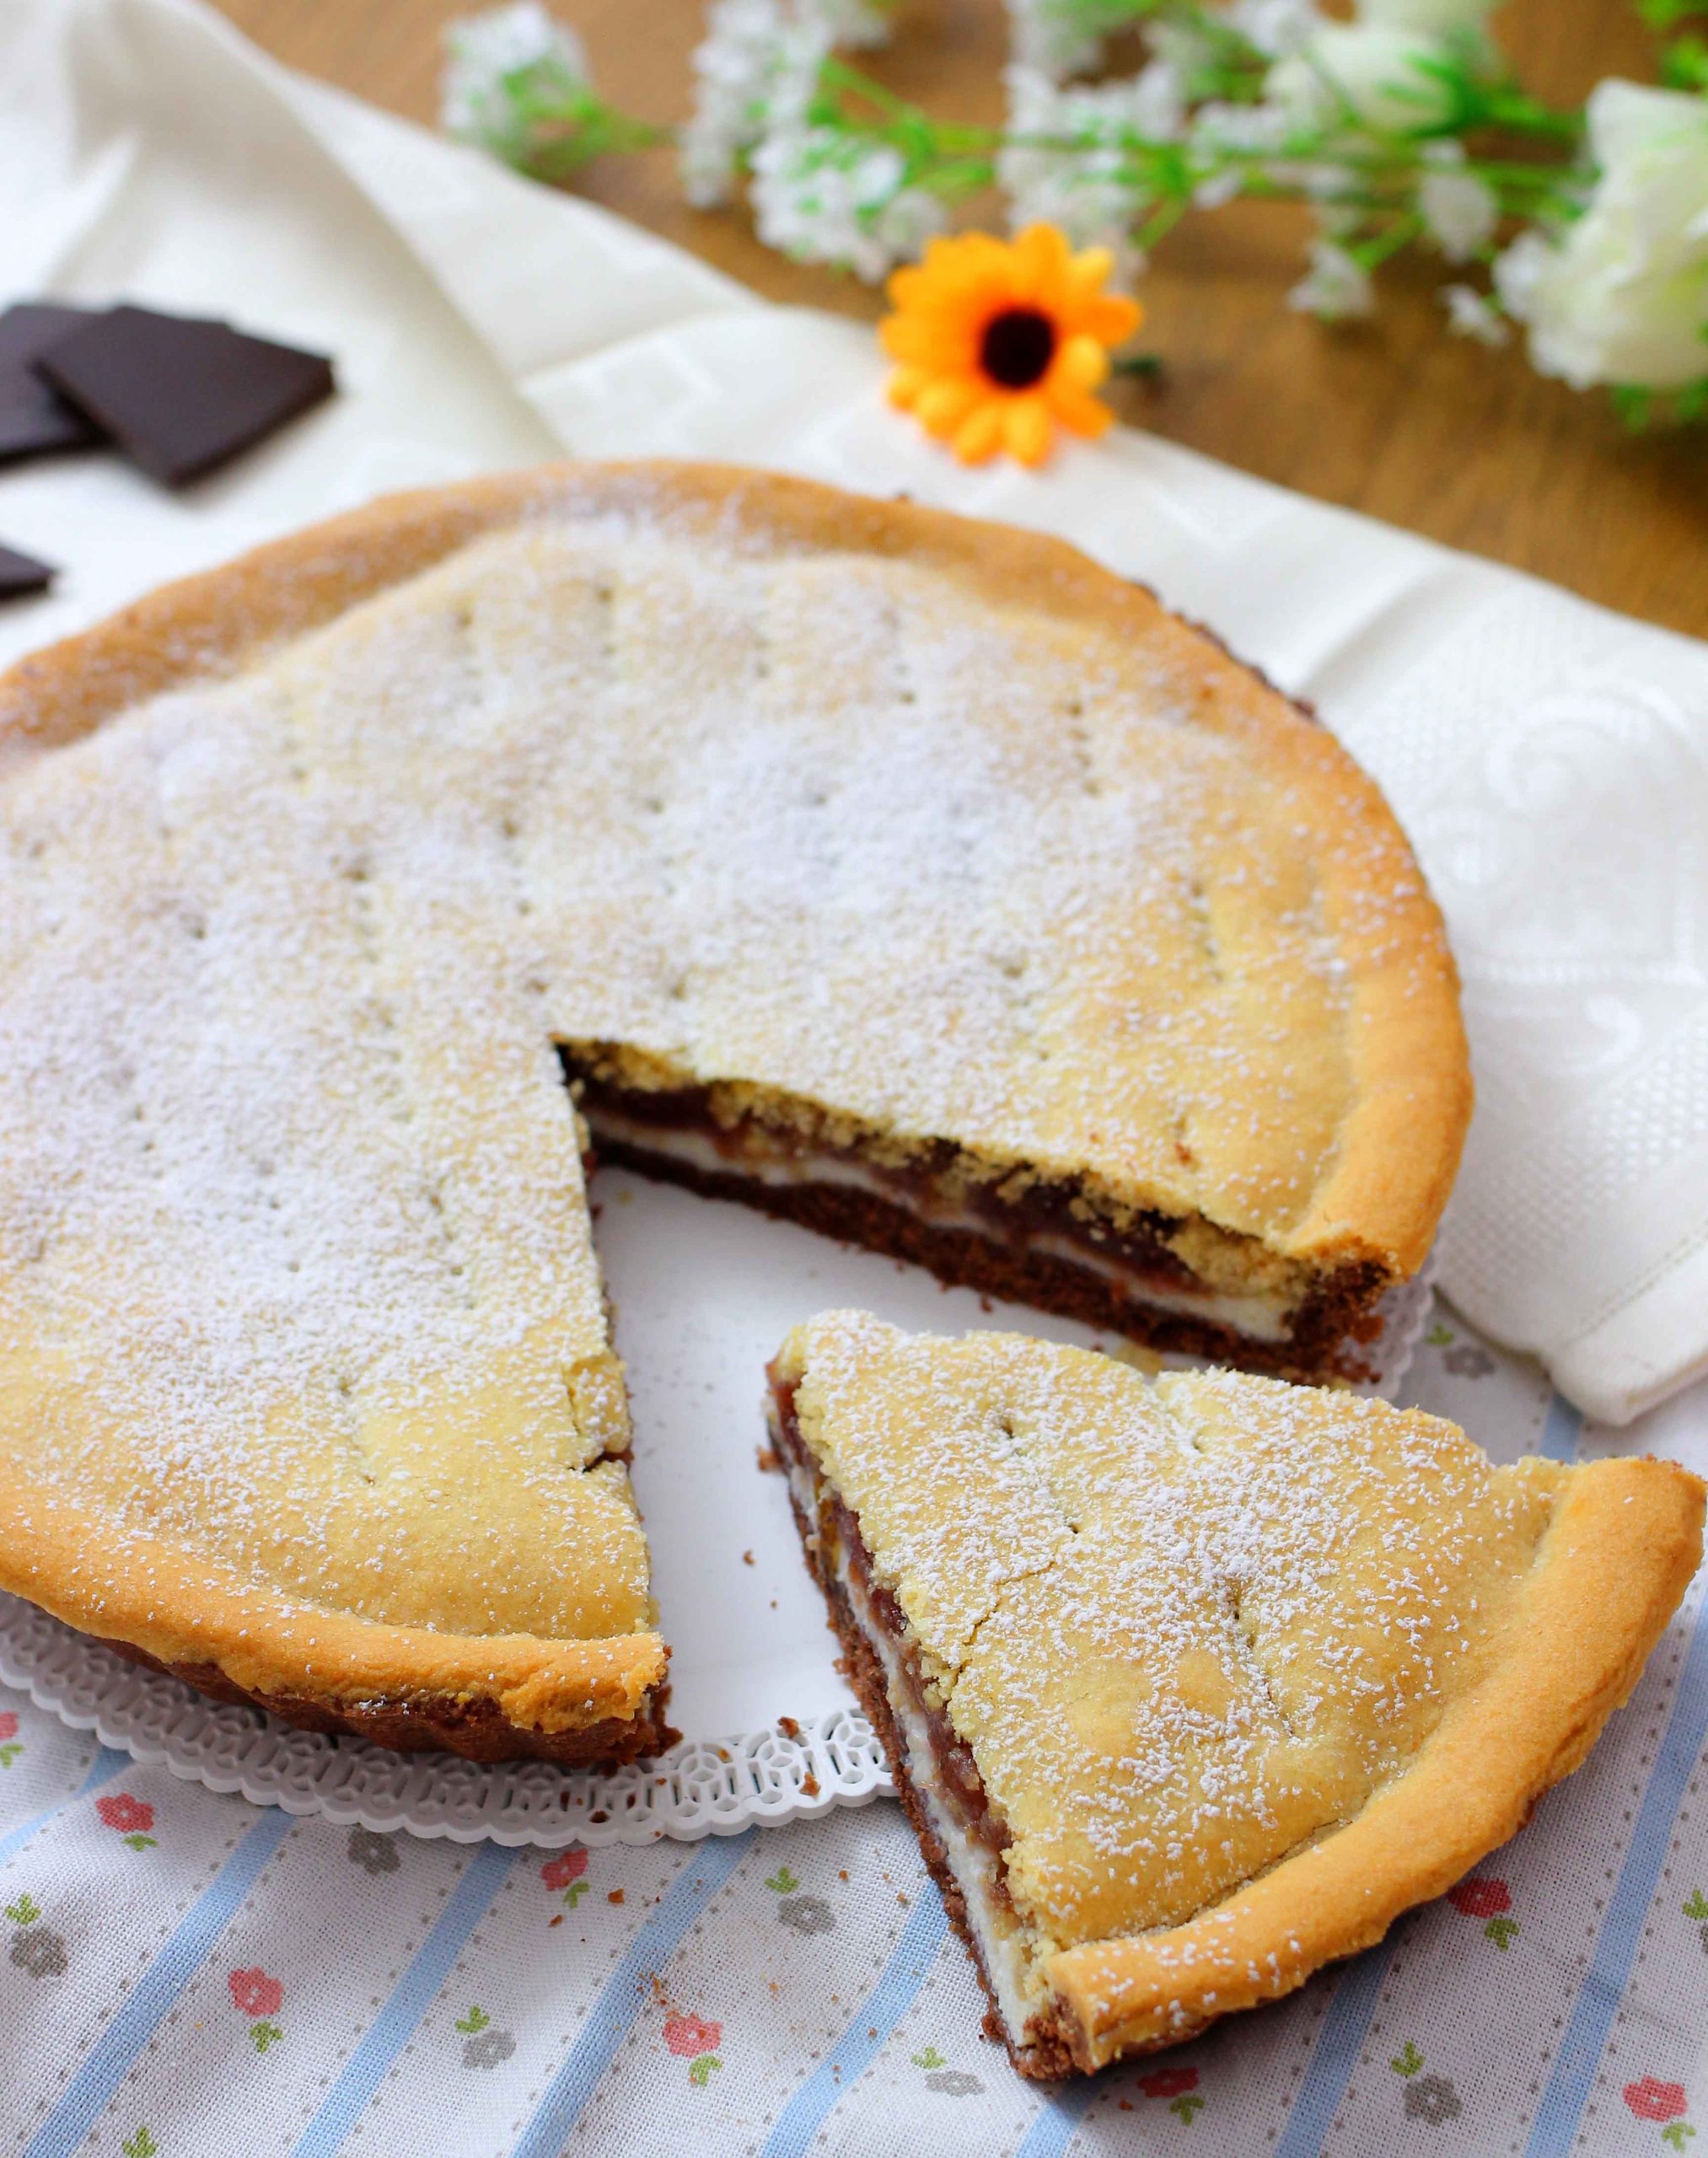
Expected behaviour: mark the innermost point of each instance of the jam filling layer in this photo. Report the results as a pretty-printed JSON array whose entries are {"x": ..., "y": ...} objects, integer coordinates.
[
  {"x": 935, "y": 1767},
  {"x": 957, "y": 1782}
]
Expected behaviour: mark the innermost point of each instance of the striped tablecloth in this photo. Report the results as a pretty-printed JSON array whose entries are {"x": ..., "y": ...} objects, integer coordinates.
[
  {"x": 189, "y": 1977},
  {"x": 185, "y": 1976}
]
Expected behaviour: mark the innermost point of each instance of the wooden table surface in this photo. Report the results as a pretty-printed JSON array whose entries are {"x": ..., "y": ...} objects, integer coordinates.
[{"x": 1392, "y": 416}]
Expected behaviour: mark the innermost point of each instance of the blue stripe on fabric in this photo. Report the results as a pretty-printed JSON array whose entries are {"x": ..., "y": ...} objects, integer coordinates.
[
  {"x": 1554, "y": 2128},
  {"x": 389, "y": 2031},
  {"x": 1053, "y": 2130},
  {"x": 1561, "y": 1431},
  {"x": 1344, "y": 2029},
  {"x": 103, "y": 1769},
  {"x": 883, "y": 2008},
  {"x": 613, "y": 2015},
  {"x": 148, "y": 2002}
]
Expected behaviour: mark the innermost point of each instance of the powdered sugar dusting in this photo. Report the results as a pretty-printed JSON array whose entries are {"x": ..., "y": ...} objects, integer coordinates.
[
  {"x": 1186, "y": 1625},
  {"x": 295, "y": 1260}
]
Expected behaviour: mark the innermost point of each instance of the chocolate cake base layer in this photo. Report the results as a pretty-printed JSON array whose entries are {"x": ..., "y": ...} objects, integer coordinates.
[
  {"x": 477, "y": 1730},
  {"x": 1327, "y": 1329}
]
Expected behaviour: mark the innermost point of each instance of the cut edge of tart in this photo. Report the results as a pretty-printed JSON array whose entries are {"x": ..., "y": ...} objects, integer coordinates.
[
  {"x": 1061, "y": 1242},
  {"x": 375, "y": 733},
  {"x": 1189, "y": 1687}
]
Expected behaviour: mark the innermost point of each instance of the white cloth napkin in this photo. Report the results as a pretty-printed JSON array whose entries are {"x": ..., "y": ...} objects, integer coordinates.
[{"x": 1549, "y": 759}]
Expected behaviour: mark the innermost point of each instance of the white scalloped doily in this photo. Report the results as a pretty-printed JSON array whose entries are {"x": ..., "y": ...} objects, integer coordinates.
[
  {"x": 700, "y": 1788},
  {"x": 781, "y": 1771}
]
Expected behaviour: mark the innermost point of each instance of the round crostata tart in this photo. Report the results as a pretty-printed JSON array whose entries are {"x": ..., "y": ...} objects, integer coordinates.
[{"x": 909, "y": 876}]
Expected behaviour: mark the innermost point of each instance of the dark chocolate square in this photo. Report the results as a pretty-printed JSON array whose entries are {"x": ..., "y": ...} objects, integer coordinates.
[
  {"x": 182, "y": 397},
  {"x": 33, "y": 415},
  {"x": 22, "y": 574}
]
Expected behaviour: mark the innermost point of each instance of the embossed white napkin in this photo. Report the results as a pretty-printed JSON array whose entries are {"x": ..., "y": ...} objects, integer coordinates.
[{"x": 1550, "y": 759}]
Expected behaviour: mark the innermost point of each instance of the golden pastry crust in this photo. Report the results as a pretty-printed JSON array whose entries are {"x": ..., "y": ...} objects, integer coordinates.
[
  {"x": 373, "y": 816},
  {"x": 182, "y": 1610},
  {"x": 1244, "y": 1671},
  {"x": 1624, "y": 1542}
]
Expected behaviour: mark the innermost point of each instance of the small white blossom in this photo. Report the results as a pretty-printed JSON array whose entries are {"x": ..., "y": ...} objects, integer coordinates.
[
  {"x": 754, "y": 69},
  {"x": 1276, "y": 27},
  {"x": 1217, "y": 126},
  {"x": 1089, "y": 190},
  {"x": 1336, "y": 288},
  {"x": 1057, "y": 38},
  {"x": 822, "y": 196},
  {"x": 483, "y": 52},
  {"x": 1365, "y": 75},
  {"x": 1472, "y": 314},
  {"x": 1621, "y": 294},
  {"x": 1460, "y": 211}
]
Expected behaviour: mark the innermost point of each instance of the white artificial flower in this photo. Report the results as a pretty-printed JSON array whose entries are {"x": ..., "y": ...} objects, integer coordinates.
[
  {"x": 1057, "y": 38},
  {"x": 482, "y": 50},
  {"x": 1621, "y": 294},
  {"x": 1472, "y": 314},
  {"x": 820, "y": 196},
  {"x": 1337, "y": 288},
  {"x": 1432, "y": 17},
  {"x": 1218, "y": 127},
  {"x": 1276, "y": 27},
  {"x": 1460, "y": 211},
  {"x": 1366, "y": 74},
  {"x": 1088, "y": 190},
  {"x": 754, "y": 69}
]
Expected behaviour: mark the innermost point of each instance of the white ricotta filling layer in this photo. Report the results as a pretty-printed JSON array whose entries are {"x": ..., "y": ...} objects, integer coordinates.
[
  {"x": 974, "y": 1864},
  {"x": 1258, "y": 1317}
]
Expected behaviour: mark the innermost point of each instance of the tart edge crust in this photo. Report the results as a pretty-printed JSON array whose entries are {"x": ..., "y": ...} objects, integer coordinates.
[
  {"x": 490, "y": 1697},
  {"x": 1613, "y": 1565}
]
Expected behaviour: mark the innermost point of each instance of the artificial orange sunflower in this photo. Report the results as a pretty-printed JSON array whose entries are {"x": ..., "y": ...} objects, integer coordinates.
[{"x": 998, "y": 342}]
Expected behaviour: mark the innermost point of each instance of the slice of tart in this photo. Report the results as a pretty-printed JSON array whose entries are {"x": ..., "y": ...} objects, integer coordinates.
[
  {"x": 1192, "y": 1685},
  {"x": 909, "y": 875}
]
